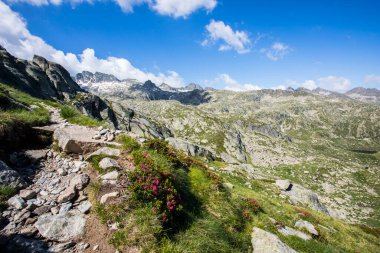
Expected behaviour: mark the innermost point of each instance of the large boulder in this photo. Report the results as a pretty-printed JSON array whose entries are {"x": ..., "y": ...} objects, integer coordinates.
[
  {"x": 9, "y": 177},
  {"x": 61, "y": 227},
  {"x": 191, "y": 149},
  {"x": 77, "y": 139},
  {"x": 300, "y": 195},
  {"x": 265, "y": 242}
]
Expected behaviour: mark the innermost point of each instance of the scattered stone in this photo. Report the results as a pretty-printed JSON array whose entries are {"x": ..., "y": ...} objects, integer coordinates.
[
  {"x": 97, "y": 137},
  {"x": 107, "y": 163},
  {"x": 21, "y": 216},
  {"x": 62, "y": 172},
  {"x": 302, "y": 224},
  {"x": 265, "y": 242},
  {"x": 79, "y": 182},
  {"x": 113, "y": 175},
  {"x": 9, "y": 177},
  {"x": 61, "y": 227},
  {"x": 85, "y": 207},
  {"x": 107, "y": 196},
  {"x": 284, "y": 185},
  {"x": 290, "y": 231},
  {"x": 65, "y": 208},
  {"x": 42, "y": 210},
  {"x": 228, "y": 185},
  {"x": 95, "y": 248},
  {"x": 17, "y": 202},
  {"x": 61, "y": 247},
  {"x": 27, "y": 194},
  {"x": 67, "y": 195},
  {"x": 105, "y": 151},
  {"x": 28, "y": 231},
  {"x": 54, "y": 210},
  {"x": 100, "y": 128}
]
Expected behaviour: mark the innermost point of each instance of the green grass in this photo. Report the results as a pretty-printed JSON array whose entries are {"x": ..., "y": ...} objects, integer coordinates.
[
  {"x": 6, "y": 192},
  {"x": 72, "y": 115},
  {"x": 216, "y": 219}
]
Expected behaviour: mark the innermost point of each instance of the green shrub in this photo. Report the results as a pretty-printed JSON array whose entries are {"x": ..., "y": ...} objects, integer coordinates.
[
  {"x": 129, "y": 144},
  {"x": 72, "y": 115},
  {"x": 68, "y": 112},
  {"x": 151, "y": 186},
  {"x": 5, "y": 193}
]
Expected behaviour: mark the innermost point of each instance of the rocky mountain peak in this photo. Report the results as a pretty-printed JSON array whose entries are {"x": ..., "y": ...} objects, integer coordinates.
[{"x": 192, "y": 86}]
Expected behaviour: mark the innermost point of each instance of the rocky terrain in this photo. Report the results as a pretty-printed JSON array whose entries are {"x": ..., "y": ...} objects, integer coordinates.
[
  {"x": 329, "y": 138},
  {"x": 141, "y": 168}
]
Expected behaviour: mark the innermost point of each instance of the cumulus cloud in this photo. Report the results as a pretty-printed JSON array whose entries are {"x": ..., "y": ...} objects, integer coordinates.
[
  {"x": 276, "y": 52},
  {"x": 182, "y": 8},
  {"x": 372, "y": 79},
  {"x": 230, "y": 84},
  {"x": 174, "y": 8},
  {"x": 17, "y": 39},
  {"x": 334, "y": 83},
  {"x": 309, "y": 84},
  {"x": 229, "y": 39}
]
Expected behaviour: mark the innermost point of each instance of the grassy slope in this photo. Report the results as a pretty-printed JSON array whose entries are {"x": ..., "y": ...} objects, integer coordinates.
[
  {"x": 221, "y": 219},
  {"x": 325, "y": 133}
]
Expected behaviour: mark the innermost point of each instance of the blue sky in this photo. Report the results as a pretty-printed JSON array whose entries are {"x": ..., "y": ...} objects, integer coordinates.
[{"x": 237, "y": 45}]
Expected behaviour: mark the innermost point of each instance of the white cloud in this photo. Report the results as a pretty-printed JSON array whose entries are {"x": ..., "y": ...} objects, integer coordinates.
[
  {"x": 334, "y": 83},
  {"x": 309, "y": 84},
  {"x": 372, "y": 79},
  {"x": 231, "y": 84},
  {"x": 17, "y": 39},
  {"x": 182, "y": 8},
  {"x": 230, "y": 39},
  {"x": 276, "y": 52},
  {"x": 174, "y": 8}
]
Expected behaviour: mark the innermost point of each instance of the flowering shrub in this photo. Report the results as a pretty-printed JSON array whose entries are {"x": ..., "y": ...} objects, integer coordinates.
[{"x": 156, "y": 188}]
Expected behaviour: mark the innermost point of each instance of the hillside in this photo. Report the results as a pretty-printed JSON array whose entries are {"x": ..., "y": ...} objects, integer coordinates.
[{"x": 140, "y": 169}]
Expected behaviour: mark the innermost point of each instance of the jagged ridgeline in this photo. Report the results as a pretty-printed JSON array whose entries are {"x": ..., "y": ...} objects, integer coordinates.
[{"x": 136, "y": 167}]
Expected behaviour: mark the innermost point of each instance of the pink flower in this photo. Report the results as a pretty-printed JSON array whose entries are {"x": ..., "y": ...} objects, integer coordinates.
[
  {"x": 164, "y": 219},
  {"x": 157, "y": 182},
  {"x": 154, "y": 187},
  {"x": 169, "y": 203},
  {"x": 145, "y": 155},
  {"x": 171, "y": 208}
]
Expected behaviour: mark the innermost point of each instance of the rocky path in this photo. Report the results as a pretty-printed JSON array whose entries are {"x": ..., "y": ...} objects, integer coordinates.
[{"x": 52, "y": 213}]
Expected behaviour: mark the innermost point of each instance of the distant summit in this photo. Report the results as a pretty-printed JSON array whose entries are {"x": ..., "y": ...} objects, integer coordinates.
[{"x": 365, "y": 94}]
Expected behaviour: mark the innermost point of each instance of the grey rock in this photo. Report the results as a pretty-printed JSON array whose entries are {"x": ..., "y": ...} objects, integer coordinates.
[
  {"x": 113, "y": 175},
  {"x": 191, "y": 149},
  {"x": 79, "y": 182},
  {"x": 283, "y": 185},
  {"x": 265, "y": 242},
  {"x": 67, "y": 195},
  {"x": 65, "y": 208},
  {"x": 61, "y": 227},
  {"x": 9, "y": 177},
  {"x": 17, "y": 202},
  {"x": 85, "y": 206},
  {"x": 107, "y": 163},
  {"x": 301, "y": 195},
  {"x": 108, "y": 196},
  {"x": 22, "y": 216},
  {"x": 302, "y": 224},
  {"x": 290, "y": 231},
  {"x": 105, "y": 151},
  {"x": 28, "y": 194},
  {"x": 42, "y": 210},
  {"x": 61, "y": 247}
]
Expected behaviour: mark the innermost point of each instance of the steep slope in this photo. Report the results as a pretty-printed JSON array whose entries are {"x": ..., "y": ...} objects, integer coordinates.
[{"x": 39, "y": 77}]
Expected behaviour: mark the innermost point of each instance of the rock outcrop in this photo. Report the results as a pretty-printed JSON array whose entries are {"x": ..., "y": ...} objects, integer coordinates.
[
  {"x": 39, "y": 77},
  {"x": 265, "y": 242},
  {"x": 9, "y": 177},
  {"x": 191, "y": 149}
]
